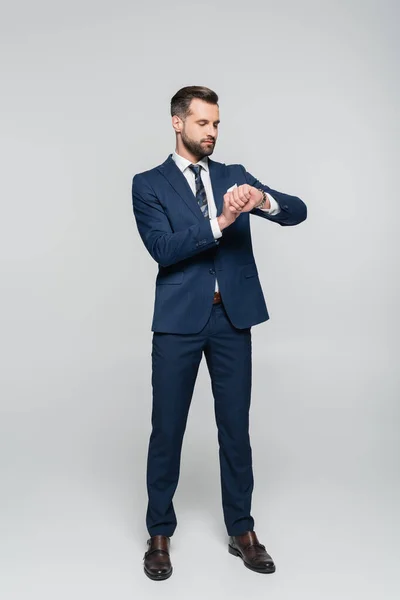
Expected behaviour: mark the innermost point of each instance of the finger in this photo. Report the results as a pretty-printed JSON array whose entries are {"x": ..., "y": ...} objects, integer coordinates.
[
  {"x": 238, "y": 198},
  {"x": 235, "y": 204},
  {"x": 227, "y": 199},
  {"x": 235, "y": 194},
  {"x": 243, "y": 199},
  {"x": 245, "y": 193}
]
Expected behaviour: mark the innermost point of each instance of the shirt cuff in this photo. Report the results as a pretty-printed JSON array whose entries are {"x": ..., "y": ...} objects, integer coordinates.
[
  {"x": 217, "y": 233},
  {"x": 274, "y": 209}
]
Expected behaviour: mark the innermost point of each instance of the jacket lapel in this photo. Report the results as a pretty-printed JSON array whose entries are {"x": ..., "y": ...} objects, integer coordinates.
[
  {"x": 218, "y": 183},
  {"x": 178, "y": 181}
]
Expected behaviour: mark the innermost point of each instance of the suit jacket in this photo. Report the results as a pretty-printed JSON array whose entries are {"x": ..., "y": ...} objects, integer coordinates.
[{"x": 180, "y": 240}]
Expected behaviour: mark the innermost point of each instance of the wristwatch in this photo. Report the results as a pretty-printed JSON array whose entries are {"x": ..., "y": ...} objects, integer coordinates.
[{"x": 264, "y": 199}]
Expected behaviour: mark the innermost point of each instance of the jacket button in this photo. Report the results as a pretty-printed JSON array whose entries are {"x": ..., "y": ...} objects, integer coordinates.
[{"x": 212, "y": 272}]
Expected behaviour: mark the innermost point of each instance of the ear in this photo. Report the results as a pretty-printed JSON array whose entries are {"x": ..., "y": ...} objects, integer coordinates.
[{"x": 177, "y": 123}]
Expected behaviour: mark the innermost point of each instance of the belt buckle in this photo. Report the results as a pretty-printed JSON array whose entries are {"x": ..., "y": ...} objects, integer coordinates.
[{"x": 217, "y": 298}]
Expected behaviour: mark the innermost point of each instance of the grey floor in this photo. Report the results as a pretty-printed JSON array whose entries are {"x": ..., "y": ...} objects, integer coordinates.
[{"x": 325, "y": 501}]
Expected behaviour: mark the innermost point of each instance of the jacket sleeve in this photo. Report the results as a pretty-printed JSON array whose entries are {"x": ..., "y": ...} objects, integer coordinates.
[
  {"x": 164, "y": 245},
  {"x": 293, "y": 210}
]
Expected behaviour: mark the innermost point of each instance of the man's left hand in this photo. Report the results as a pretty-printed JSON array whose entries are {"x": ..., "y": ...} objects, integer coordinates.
[{"x": 245, "y": 197}]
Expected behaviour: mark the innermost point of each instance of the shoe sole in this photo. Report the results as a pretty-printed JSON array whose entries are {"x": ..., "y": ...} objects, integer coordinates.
[
  {"x": 157, "y": 577},
  {"x": 235, "y": 552}
]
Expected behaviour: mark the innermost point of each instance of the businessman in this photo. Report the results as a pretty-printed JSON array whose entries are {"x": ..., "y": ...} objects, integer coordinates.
[{"x": 192, "y": 214}]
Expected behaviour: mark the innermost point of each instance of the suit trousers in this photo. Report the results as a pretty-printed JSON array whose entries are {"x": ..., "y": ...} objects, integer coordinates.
[{"x": 175, "y": 363}]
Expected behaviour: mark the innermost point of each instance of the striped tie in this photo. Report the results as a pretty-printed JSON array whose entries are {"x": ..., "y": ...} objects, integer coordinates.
[{"x": 200, "y": 191}]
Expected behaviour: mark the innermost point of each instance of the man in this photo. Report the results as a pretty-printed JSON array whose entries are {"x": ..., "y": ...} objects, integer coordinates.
[{"x": 192, "y": 214}]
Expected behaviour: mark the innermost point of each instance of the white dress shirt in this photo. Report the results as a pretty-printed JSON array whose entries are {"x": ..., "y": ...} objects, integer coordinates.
[{"x": 183, "y": 163}]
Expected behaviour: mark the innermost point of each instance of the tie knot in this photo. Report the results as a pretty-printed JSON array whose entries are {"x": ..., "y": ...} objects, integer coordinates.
[{"x": 195, "y": 168}]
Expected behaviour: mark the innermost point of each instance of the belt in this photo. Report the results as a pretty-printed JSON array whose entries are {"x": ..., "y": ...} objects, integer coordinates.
[{"x": 217, "y": 298}]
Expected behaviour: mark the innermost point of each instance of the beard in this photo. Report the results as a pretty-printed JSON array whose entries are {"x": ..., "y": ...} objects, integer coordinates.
[{"x": 198, "y": 149}]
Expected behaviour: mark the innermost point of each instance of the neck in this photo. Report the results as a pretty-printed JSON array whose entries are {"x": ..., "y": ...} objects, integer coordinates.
[{"x": 182, "y": 151}]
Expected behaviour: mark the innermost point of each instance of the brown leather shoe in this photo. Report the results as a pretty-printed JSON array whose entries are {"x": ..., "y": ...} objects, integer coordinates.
[
  {"x": 157, "y": 564},
  {"x": 253, "y": 554}
]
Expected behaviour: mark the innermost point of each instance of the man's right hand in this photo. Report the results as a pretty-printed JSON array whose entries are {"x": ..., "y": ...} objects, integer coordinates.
[{"x": 229, "y": 213}]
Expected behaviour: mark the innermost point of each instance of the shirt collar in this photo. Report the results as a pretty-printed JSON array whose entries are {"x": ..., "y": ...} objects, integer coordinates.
[{"x": 183, "y": 163}]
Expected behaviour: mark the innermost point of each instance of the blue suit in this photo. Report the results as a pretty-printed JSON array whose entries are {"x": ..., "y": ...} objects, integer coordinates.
[{"x": 187, "y": 324}]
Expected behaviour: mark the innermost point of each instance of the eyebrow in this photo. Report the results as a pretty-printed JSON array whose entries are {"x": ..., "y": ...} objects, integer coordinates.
[{"x": 206, "y": 120}]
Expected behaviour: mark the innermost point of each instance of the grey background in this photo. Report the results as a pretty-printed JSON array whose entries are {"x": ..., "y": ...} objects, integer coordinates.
[{"x": 309, "y": 96}]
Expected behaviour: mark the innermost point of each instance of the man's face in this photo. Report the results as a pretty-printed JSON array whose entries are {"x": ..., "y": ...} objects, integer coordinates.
[{"x": 199, "y": 127}]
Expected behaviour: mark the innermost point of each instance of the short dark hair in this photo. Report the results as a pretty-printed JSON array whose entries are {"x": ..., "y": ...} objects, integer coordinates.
[{"x": 180, "y": 102}]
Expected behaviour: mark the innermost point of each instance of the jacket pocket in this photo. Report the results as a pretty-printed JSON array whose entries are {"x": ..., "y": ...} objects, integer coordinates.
[
  {"x": 250, "y": 270},
  {"x": 174, "y": 278}
]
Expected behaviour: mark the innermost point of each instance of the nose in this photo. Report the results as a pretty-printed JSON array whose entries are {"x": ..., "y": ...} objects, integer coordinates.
[{"x": 212, "y": 132}]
